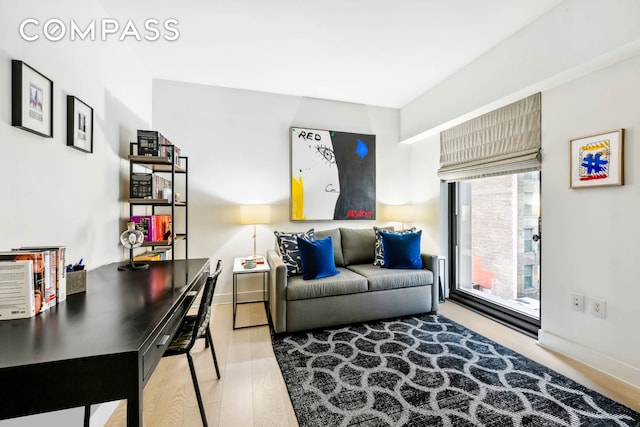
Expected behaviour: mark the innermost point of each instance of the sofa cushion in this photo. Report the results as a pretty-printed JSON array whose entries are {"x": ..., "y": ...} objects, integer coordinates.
[
  {"x": 337, "y": 244},
  {"x": 401, "y": 250},
  {"x": 347, "y": 282},
  {"x": 288, "y": 247},
  {"x": 317, "y": 258},
  {"x": 379, "y": 254},
  {"x": 383, "y": 278},
  {"x": 358, "y": 245}
]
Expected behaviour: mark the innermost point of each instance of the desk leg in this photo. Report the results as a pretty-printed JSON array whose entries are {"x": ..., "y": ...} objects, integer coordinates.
[{"x": 134, "y": 409}]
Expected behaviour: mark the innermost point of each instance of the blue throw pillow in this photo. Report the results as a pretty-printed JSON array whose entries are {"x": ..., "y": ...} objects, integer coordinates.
[
  {"x": 317, "y": 258},
  {"x": 401, "y": 250}
]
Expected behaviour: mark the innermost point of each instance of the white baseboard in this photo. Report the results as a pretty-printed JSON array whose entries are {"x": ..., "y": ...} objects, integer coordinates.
[
  {"x": 242, "y": 296},
  {"x": 603, "y": 363}
]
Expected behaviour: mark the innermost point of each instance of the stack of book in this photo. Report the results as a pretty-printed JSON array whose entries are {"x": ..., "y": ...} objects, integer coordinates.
[
  {"x": 155, "y": 228},
  {"x": 32, "y": 280},
  {"x": 149, "y": 186},
  {"x": 155, "y": 255},
  {"x": 153, "y": 143}
]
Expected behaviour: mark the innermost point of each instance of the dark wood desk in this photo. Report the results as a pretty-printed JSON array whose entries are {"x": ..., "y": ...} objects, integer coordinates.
[{"x": 98, "y": 346}]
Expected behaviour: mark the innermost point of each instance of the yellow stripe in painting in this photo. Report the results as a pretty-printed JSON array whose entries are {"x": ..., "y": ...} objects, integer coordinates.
[
  {"x": 596, "y": 146},
  {"x": 297, "y": 199}
]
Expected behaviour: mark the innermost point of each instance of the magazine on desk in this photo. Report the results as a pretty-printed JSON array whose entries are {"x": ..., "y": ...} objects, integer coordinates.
[
  {"x": 60, "y": 266},
  {"x": 43, "y": 272},
  {"x": 17, "y": 293}
]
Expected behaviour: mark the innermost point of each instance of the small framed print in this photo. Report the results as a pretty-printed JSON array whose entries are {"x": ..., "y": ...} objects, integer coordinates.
[
  {"x": 597, "y": 160},
  {"x": 31, "y": 100},
  {"x": 79, "y": 125}
]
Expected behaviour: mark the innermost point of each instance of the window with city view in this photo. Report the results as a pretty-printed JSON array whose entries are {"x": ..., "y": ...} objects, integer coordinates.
[{"x": 498, "y": 257}]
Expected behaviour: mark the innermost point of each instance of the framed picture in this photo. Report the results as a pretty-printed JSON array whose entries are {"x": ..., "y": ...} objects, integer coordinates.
[
  {"x": 31, "y": 100},
  {"x": 333, "y": 175},
  {"x": 596, "y": 160},
  {"x": 79, "y": 125}
]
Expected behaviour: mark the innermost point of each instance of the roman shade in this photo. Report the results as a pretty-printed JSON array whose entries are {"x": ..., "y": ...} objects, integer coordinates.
[{"x": 501, "y": 142}]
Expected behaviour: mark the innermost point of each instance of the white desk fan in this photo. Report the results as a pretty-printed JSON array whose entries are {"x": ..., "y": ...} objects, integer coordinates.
[{"x": 132, "y": 238}]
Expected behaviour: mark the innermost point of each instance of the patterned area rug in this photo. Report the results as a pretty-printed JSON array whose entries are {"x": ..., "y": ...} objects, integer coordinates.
[{"x": 429, "y": 371}]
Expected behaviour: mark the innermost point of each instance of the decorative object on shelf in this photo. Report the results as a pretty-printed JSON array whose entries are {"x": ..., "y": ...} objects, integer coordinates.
[
  {"x": 254, "y": 214},
  {"x": 333, "y": 175},
  {"x": 596, "y": 160},
  {"x": 31, "y": 100},
  {"x": 400, "y": 213},
  {"x": 132, "y": 238},
  {"x": 79, "y": 125}
]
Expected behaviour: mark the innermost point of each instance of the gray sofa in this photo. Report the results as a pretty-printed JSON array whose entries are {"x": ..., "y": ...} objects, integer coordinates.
[{"x": 361, "y": 292}]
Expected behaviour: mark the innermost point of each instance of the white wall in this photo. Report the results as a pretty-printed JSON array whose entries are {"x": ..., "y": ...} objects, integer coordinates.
[
  {"x": 425, "y": 185},
  {"x": 585, "y": 60},
  {"x": 590, "y": 243},
  {"x": 53, "y": 194},
  {"x": 238, "y": 147}
]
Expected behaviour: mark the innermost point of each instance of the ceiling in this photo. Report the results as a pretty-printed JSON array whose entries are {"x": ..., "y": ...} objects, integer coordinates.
[{"x": 376, "y": 52}]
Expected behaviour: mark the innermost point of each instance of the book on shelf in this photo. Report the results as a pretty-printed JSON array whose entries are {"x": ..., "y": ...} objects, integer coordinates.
[
  {"x": 155, "y": 228},
  {"x": 60, "y": 255},
  {"x": 141, "y": 185},
  {"x": 149, "y": 186},
  {"x": 17, "y": 292},
  {"x": 155, "y": 255},
  {"x": 163, "y": 227},
  {"x": 150, "y": 142},
  {"x": 153, "y": 143},
  {"x": 145, "y": 224},
  {"x": 40, "y": 274}
]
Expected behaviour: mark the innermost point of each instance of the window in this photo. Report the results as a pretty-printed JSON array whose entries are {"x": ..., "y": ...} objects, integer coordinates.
[
  {"x": 496, "y": 260},
  {"x": 528, "y": 204},
  {"x": 528, "y": 242},
  {"x": 528, "y": 277}
]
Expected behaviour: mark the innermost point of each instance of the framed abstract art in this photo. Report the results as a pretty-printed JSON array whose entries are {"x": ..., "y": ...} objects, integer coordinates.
[
  {"x": 333, "y": 175},
  {"x": 597, "y": 160}
]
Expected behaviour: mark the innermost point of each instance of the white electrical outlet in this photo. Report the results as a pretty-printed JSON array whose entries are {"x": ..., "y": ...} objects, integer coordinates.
[
  {"x": 577, "y": 302},
  {"x": 598, "y": 307}
]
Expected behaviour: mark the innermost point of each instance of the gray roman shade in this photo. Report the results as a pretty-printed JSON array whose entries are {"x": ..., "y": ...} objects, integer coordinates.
[{"x": 501, "y": 142}]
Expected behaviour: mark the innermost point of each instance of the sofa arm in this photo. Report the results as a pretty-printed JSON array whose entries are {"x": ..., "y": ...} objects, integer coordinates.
[
  {"x": 278, "y": 291},
  {"x": 430, "y": 262}
]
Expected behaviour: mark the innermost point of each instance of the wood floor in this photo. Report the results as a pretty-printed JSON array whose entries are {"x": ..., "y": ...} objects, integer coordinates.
[{"x": 252, "y": 392}]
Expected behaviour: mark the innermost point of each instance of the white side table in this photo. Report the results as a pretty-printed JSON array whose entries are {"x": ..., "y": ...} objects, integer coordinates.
[{"x": 238, "y": 269}]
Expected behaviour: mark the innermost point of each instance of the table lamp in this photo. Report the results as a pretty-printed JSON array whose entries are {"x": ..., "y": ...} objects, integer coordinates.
[
  {"x": 255, "y": 214},
  {"x": 401, "y": 214}
]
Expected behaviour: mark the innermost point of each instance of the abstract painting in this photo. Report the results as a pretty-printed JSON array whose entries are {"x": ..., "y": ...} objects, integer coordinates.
[
  {"x": 333, "y": 175},
  {"x": 596, "y": 160}
]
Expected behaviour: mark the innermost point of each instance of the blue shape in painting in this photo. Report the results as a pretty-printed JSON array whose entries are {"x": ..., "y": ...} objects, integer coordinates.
[
  {"x": 361, "y": 149},
  {"x": 594, "y": 164}
]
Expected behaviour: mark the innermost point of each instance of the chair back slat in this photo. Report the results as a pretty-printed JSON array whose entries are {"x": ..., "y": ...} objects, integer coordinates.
[{"x": 204, "y": 312}]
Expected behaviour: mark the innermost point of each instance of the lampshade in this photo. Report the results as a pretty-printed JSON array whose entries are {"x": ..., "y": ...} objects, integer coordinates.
[
  {"x": 401, "y": 213},
  {"x": 255, "y": 214}
]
